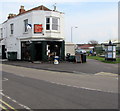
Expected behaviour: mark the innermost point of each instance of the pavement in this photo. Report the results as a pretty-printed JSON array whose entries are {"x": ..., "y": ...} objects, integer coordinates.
[{"x": 90, "y": 67}]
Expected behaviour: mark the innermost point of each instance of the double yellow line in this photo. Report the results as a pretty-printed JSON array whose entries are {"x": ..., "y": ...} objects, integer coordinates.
[{"x": 6, "y": 109}]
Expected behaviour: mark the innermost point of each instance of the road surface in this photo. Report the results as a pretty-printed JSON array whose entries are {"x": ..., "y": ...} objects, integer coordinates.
[{"x": 26, "y": 88}]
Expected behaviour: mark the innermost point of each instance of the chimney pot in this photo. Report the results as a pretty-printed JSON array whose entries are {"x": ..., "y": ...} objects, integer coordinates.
[
  {"x": 22, "y": 7},
  {"x": 22, "y": 10}
]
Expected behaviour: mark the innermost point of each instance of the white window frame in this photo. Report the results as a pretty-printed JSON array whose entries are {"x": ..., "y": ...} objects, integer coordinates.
[{"x": 51, "y": 23}]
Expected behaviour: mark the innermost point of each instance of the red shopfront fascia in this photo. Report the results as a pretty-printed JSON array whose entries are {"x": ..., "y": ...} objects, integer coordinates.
[{"x": 38, "y": 28}]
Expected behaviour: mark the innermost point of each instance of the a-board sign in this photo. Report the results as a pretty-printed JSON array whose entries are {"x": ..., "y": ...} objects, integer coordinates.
[{"x": 78, "y": 58}]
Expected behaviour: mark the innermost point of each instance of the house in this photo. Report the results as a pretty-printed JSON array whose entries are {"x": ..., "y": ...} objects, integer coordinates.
[{"x": 35, "y": 34}]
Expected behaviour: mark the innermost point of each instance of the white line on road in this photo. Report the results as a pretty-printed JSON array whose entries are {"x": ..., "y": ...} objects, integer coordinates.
[
  {"x": 20, "y": 75},
  {"x": 86, "y": 88},
  {"x": 5, "y": 79},
  {"x": 25, "y": 107}
]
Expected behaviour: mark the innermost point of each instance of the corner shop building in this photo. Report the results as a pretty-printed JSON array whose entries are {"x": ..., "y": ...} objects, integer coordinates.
[{"x": 36, "y": 34}]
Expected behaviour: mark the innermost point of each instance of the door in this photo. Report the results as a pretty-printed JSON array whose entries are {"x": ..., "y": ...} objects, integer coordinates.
[{"x": 38, "y": 51}]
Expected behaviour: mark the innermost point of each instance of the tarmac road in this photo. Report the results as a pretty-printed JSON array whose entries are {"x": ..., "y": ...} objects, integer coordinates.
[
  {"x": 39, "y": 89},
  {"x": 38, "y": 94}
]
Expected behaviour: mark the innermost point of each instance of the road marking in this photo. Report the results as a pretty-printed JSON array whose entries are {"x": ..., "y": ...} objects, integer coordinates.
[
  {"x": 20, "y": 75},
  {"x": 5, "y": 79},
  {"x": 92, "y": 89},
  {"x": 3, "y": 107},
  {"x": 106, "y": 74},
  {"x": 86, "y": 88},
  {"x": 25, "y": 107},
  {"x": 7, "y": 105}
]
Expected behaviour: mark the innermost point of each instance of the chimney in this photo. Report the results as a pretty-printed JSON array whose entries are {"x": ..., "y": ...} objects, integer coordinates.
[
  {"x": 11, "y": 15},
  {"x": 42, "y": 8},
  {"x": 22, "y": 10}
]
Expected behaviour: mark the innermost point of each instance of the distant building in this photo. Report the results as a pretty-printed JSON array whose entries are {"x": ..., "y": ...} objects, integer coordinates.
[
  {"x": 35, "y": 34},
  {"x": 86, "y": 47},
  {"x": 70, "y": 48},
  {"x": 114, "y": 41}
]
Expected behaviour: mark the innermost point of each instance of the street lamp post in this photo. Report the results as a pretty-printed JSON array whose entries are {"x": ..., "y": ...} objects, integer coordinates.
[{"x": 72, "y": 34}]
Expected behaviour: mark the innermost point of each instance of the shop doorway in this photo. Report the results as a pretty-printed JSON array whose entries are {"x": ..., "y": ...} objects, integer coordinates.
[
  {"x": 3, "y": 52},
  {"x": 53, "y": 50},
  {"x": 25, "y": 51},
  {"x": 38, "y": 51}
]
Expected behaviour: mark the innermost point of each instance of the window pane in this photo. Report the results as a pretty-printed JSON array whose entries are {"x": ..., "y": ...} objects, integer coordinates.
[
  {"x": 1, "y": 32},
  {"x": 11, "y": 28},
  {"x": 54, "y": 27},
  {"x": 47, "y": 20},
  {"x": 54, "y": 23},
  {"x": 55, "y": 20},
  {"x": 25, "y": 24},
  {"x": 47, "y": 26}
]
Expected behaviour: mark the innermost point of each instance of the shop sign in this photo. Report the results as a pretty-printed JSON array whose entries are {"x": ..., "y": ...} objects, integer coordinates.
[{"x": 38, "y": 28}]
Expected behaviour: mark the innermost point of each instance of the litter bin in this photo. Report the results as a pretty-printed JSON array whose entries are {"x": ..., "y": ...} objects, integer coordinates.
[
  {"x": 12, "y": 56},
  {"x": 72, "y": 59},
  {"x": 67, "y": 56},
  {"x": 56, "y": 60},
  {"x": 83, "y": 57}
]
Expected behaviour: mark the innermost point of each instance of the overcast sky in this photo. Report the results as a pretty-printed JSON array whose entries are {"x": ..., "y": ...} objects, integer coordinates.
[{"x": 96, "y": 19}]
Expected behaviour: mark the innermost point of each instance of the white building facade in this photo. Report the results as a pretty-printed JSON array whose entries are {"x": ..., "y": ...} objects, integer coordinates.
[{"x": 35, "y": 35}]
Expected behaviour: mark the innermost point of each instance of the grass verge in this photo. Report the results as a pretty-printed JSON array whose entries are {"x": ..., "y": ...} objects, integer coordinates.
[{"x": 102, "y": 59}]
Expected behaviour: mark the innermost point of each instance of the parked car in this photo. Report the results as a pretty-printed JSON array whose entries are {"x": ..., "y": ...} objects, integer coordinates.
[{"x": 80, "y": 51}]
